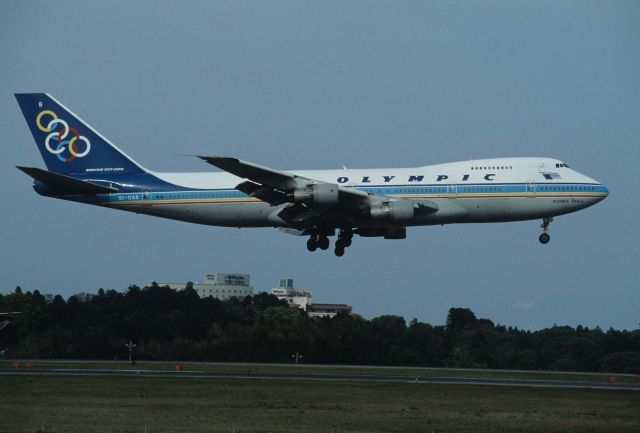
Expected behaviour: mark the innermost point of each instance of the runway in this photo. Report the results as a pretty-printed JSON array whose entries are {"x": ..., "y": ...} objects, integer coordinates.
[{"x": 529, "y": 383}]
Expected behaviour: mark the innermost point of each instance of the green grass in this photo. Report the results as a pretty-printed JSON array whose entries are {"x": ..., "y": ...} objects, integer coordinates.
[
  {"x": 328, "y": 369},
  {"x": 138, "y": 404}
]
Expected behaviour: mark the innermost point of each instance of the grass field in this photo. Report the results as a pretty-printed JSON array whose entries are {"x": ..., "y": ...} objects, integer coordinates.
[{"x": 138, "y": 404}]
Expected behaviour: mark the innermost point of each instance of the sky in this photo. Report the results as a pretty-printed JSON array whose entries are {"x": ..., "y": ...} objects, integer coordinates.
[{"x": 321, "y": 85}]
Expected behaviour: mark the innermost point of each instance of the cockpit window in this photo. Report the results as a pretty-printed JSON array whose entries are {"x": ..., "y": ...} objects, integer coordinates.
[{"x": 562, "y": 164}]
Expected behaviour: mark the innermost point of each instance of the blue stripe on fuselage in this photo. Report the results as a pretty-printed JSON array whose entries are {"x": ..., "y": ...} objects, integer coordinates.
[{"x": 152, "y": 189}]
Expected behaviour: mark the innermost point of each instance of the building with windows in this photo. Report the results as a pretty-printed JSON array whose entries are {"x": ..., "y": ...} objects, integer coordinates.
[
  {"x": 327, "y": 310},
  {"x": 219, "y": 285},
  {"x": 301, "y": 298}
]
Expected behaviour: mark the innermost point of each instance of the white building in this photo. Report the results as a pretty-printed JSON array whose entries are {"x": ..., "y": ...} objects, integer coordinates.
[
  {"x": 300, "y": 298},
  {"x": 219, "y": 285},
  {"x": 327, "y": 310}
]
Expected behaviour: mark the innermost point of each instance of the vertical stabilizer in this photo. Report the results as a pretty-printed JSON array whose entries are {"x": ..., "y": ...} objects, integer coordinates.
[{"x": 67, "y": 143}]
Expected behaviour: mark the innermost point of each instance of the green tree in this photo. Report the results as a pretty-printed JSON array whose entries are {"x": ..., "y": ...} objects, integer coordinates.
[{"x": 460, "y": 319}]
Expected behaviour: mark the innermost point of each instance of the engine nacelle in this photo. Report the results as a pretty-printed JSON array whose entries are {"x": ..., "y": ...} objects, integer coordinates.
[
  {"x": 394, "y": 210},
  {"x": 317, "y": 194}
]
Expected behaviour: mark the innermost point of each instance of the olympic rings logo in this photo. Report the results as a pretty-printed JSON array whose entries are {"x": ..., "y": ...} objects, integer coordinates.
[{"x": 58, "y": 132}]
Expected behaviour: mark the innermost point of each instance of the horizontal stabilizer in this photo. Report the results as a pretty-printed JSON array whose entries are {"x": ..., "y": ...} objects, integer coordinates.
[{"x": 65, "y": 185}]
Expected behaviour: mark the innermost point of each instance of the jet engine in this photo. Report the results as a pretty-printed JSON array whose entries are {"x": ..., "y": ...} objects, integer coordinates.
[
  {"x": 393, "y": 210},
  {"x": 317, "y": 194}
]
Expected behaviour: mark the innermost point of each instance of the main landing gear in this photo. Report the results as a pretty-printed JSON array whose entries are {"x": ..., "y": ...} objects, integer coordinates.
[
  {"x": 544, "y": 238},
  {"x": 322, "y": 241},
  {"x": 315, "y": 242},
  {"x": 344, "y": 240}
]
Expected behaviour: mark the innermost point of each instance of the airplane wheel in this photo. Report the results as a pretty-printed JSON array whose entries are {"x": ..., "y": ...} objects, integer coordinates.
[
  {"x": 312, "y": 245},
  {"x": 339, "y": 251},
  {"x": 323, "y": 243},
  {"x": 544, "y": 238}
]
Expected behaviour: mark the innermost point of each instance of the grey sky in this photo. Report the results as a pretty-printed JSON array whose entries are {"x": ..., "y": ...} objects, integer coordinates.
[{"x": 321, "y": 85}]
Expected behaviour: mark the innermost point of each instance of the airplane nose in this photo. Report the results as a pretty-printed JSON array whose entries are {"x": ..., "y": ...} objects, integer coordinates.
[{"x": 601, "y": 190}]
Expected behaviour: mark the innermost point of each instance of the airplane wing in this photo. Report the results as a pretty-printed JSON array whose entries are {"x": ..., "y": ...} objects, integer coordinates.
[
  {"x": 256, "y": 173},
  {"x": 271, "y": 185},
  {"x": 309, "y": 200}
]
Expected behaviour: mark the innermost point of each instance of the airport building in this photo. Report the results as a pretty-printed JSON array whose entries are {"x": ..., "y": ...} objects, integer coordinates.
[
  {"x": 219, "y": 285},
  {"x": 301, "y": 298},
  {"x": 225, "y": 286},
  {"x": 327, "y": 310}
]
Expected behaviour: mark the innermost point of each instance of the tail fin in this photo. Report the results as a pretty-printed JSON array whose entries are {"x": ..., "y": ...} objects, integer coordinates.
[{"x": 68, "y": 144}]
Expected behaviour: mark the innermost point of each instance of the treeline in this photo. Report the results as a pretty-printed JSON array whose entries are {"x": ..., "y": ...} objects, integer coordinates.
[{"x": 169, "y": 325}]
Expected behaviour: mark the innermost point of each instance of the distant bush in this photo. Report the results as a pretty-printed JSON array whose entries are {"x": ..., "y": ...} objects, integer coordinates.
[{"x": 179, "y": 325}]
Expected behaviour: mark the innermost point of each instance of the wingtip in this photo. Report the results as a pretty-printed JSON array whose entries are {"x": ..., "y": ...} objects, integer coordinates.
[{"x": 217, "y": 158}]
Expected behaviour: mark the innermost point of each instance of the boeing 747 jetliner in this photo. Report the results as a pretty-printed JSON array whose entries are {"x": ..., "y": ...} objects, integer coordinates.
[{"x": 85, "y": 167}]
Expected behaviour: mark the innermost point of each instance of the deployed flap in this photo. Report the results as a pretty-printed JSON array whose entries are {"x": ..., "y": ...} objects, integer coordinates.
[
  {"x": 264, "y": 193},
  {"x": 66, "y": 185},
  {"x": 426, "y": 206},
  {"x": 298, "y": 214},
  {"x": 293, "y": 232},
  {"x": 352, "y": 193}
]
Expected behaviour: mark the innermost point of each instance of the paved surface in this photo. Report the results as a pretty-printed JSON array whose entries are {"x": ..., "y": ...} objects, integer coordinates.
[
  {"x": 324, "y": 377},
  {"x": 307, "y": 365}
]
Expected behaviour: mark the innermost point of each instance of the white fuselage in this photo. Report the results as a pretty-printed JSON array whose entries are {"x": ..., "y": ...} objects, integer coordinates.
[{"x": 489, "y": 190}]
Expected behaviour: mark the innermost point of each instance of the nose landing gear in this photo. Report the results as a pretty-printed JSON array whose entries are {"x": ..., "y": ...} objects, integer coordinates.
[{"x": 544, "y": 238}]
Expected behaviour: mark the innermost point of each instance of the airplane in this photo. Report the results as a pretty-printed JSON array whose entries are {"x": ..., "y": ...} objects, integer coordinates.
[{"x": 83, "y": 166}]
